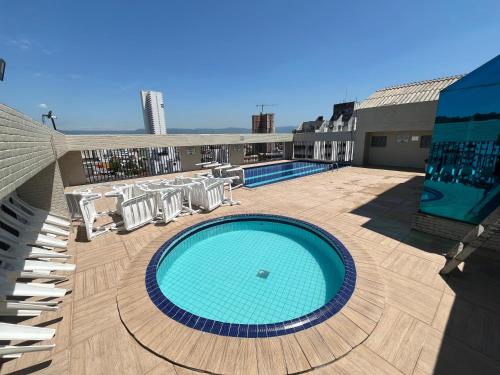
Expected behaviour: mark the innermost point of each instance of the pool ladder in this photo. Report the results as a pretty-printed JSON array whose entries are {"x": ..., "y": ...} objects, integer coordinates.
[{"x": 336, "y": 165}]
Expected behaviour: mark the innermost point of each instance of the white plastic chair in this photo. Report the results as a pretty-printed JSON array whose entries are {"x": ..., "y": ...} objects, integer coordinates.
[
  {"x": 38, "y": 214},
  {"x": 121, "y": 193},
  {"x": 137, "y": 211},
  {"x": 170, "y": 204},
  {"x": 186, "y": 185},
  {"x": 208, "y": 194},
  {"x": 89, "y": 215},
  {"x": 74, "y": 198}
]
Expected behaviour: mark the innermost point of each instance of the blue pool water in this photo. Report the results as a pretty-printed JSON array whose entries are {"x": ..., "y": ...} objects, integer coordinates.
[
  {"x": 263, "y": 175},
  {"x": 249, "y": 271}
]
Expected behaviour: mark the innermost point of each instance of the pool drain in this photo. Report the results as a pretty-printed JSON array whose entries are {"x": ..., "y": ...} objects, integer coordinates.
[{"x": 263, "y": 274}]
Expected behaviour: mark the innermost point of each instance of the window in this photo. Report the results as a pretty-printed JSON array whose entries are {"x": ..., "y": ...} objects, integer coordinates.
[
  {"x": 378, "y": 140},
  {"x": 402, "y": 138},
  {"x": 425, "y": 141}
]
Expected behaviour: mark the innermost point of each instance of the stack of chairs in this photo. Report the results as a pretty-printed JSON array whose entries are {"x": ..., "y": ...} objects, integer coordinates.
[
  {"x": 32, "y": 247},
  {"x": 152, "y": 201},
  {"x": 146, "y": 202}
]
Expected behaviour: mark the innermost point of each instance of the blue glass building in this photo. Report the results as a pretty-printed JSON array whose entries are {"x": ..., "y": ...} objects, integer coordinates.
[{"x": 462, "y": 179}]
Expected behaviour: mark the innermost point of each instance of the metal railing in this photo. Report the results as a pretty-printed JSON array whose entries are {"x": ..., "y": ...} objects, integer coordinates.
[
  {"x": 336, "y": 151},
  {"x": 119, "y": 164},
  {"x": 259, "y": 152},
  {"x": 111, "y": 165},
  {"x": 216, "y": 153}
]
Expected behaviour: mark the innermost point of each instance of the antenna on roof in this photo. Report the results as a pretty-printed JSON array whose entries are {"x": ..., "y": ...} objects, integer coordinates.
[{"x": 264, "y": 105}]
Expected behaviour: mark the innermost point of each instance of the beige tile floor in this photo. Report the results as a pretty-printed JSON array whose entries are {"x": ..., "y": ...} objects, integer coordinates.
[{"x": 429, "y": 324}]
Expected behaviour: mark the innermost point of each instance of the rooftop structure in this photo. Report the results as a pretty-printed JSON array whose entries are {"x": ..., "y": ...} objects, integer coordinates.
[
  {"x": 393, "y": 312},
  {"x": 394, "y": 125},
  {"x": 415, "y": 92},
  {"x": 153, "y": 110}
]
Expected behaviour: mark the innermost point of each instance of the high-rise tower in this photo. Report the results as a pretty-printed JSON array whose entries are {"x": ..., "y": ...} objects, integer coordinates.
[{"x": 153, "y": 110}]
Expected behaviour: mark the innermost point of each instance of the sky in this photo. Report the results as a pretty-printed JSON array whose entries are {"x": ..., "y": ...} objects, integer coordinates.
[{"x": 215, "y": 60}]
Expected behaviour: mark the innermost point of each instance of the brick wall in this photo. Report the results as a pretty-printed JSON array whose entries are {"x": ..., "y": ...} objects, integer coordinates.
[
  {"x": 450, "y": 229},
  {"x": 28, "y": 160}
]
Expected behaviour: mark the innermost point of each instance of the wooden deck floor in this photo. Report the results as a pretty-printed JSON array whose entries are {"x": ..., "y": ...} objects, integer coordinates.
[{"x": 427, "y": 324}]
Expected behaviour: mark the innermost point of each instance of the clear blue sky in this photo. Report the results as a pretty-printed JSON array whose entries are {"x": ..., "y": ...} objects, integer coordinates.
[{"x": 214, "y": 60}]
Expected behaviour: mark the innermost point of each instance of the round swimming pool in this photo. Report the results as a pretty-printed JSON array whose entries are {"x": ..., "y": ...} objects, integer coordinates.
[{"x": 251, "y": 276}]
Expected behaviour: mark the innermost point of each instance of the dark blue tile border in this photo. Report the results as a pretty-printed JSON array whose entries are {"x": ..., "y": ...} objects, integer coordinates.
[
  {"x": 251, "y": 330},
  {"x": 253, "y": 172}
]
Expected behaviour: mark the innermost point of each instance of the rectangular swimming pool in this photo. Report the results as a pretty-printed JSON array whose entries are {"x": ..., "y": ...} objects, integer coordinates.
[{"x": 268, "y": 174}]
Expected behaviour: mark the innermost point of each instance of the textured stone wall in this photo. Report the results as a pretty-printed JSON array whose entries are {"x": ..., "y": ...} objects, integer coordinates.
[
  {"x": 28, "y": 160},
  {"x": 71, "y": 167}
]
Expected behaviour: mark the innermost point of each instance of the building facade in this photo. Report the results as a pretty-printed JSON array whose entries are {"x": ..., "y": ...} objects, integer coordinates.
[
  {"x": 394, "y": 124},
  {"x": 343, "y": 120},
  {"x": 153, "y": 110},
  {"x": 263, "y": 123}
]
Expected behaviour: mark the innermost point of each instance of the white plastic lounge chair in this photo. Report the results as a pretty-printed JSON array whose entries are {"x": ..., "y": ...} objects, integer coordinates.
[
  {"x": 235, "y": 172},
  {"x": 38, "y": 214},
  {"x": 8, "y": 288},
  {"x": 16, "y": 351},
  {"x": 202, "y": 164},
  {"x": 18, "y": 332},
  {"x": 15, "y": 308},
  {"x": 29, "y": 238},
  {"x": 10, "y": 264},
  {"x": 137, "y": 211},
  {"x": 11, "y": 248},
  {"x": 14, "y": 250},
  {"x": 21, "y": 221},
  {"x": 219, "y": 171},
  {"x": 34, "y": 221},
  {"x": 13, "y": 276},
  {"x": 89, "y": 215},
  {"x": 74, "y": 199},
  {"x": 170, "y": 204}
]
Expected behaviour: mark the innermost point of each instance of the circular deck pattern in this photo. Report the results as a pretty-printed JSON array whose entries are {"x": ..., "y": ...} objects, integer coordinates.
[{"x": 293, "y": 352}]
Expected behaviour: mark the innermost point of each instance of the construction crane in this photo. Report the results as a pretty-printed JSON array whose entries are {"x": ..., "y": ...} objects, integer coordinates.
[{"x": 264, "y": 105}]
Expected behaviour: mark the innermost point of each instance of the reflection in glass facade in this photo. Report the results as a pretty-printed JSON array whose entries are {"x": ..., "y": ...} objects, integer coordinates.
[{"x": 462, "y": 179}]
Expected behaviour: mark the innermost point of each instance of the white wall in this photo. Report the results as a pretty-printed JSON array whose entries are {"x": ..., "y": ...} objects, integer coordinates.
[{"x": 415, "y": 118}]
